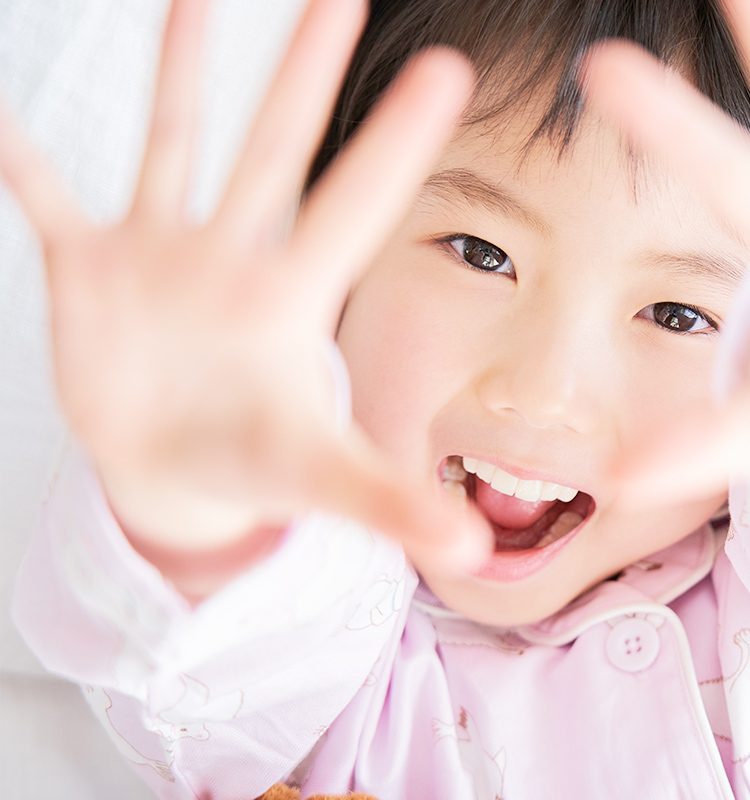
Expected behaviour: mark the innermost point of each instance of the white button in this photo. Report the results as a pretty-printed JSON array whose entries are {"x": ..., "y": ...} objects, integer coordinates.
[{"x": 633, "y": 644}]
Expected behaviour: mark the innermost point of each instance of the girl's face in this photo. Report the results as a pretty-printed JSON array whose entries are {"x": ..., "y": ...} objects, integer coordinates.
[{"x": 537, "y": 316}]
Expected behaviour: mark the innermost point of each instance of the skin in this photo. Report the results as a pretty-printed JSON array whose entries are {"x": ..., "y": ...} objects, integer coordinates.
[
  {"x": 551, "y": 372},
  {"x": 181, "y": 352},
  {"x": 705, "y": 149}
]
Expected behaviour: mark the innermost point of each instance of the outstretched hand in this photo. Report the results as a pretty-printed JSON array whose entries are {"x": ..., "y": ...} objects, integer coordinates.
[
  {"x": 663, "y": 113},
  {"x": 191, "y": 360}
]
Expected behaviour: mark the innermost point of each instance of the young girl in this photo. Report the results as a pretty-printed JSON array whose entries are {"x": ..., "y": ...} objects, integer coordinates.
[{"x": 552, "y": 295}]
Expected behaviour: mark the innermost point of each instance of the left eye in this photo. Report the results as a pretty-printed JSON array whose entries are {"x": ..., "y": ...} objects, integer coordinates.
[
  {"x": 481, "y": 255},
  {"x": 679, "y": 317}
]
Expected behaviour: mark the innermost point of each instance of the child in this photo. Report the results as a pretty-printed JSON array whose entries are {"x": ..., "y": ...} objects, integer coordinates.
[{"x": 551, "y": 296}]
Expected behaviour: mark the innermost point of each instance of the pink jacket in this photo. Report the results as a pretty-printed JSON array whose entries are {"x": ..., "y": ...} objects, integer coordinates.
[{"x": 330, "y": 667}]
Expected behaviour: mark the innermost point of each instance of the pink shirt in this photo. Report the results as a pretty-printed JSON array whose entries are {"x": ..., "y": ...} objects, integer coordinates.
[{"x": 330, "y": 667}]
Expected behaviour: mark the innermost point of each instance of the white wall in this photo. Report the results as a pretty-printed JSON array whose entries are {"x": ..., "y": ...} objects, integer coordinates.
[{"x": 79, "y": 74}]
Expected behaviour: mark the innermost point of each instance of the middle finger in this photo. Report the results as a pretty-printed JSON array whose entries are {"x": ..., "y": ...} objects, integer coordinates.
[
  {"x": 292, "y": 119},
  {"x": 166, "y": 162}
]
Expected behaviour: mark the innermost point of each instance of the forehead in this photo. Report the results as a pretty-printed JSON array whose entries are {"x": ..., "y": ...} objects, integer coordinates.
[
  {"x": 597, "y": 190},
  {"x": 508, "y": 147}
]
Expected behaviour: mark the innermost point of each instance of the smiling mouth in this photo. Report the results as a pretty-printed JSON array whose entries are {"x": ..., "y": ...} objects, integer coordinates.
[{"x": 524, "y": 515}]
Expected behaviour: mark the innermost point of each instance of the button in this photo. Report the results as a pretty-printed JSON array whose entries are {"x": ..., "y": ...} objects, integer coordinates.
[{"x": 633, "y": 644}]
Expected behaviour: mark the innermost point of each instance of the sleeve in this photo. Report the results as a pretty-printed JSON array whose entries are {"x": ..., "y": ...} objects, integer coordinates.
[
  {"x": 225, "y": 699},
  {"x": 731, "y": 579},
  {"x": 737, "y": 546}
]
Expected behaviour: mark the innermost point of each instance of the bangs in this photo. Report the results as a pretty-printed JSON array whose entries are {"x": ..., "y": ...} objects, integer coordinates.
[{"x": 526, "y": 49}]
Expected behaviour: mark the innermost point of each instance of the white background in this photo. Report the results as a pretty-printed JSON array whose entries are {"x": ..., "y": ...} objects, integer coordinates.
[{"x": 79, "y": 73}]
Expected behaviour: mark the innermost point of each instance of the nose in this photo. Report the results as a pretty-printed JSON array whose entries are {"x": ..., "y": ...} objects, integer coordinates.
[{"x": 549, "y": 376}]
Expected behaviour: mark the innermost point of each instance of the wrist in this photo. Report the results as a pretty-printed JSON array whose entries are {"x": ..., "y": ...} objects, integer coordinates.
[
  {"x": 199, "y": 543},
  {"x": 197, "y": 574}
]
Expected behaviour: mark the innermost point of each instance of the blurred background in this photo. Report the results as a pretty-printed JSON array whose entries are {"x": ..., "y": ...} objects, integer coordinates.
[{"x": 79, "y": 74}]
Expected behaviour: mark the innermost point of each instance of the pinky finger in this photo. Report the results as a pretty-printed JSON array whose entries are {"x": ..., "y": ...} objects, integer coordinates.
[{"x": 35, "y": 184}]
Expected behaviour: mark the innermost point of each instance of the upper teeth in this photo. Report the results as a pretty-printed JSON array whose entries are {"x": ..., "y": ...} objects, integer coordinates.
[{"x": 504, "y": 482}]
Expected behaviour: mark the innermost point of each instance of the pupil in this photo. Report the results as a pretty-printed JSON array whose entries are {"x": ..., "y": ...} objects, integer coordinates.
[
  {"x": 480, "y": 254},
  {"x": 676, "y": 317}
]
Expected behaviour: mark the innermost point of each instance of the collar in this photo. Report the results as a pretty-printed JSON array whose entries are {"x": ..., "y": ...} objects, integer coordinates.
[{"x": 656, "y": 580}]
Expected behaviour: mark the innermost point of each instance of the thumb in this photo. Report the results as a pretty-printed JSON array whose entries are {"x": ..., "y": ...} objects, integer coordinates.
[
  {"x": 353, "y": 478},
  {"x": 695, "y": 458},
  {"x": 704, "y": 449}
]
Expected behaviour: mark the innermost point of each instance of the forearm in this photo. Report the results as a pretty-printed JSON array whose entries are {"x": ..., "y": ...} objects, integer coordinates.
[
  {"x": 96, "y": 612},
  {"x": 197, "y": 543}
]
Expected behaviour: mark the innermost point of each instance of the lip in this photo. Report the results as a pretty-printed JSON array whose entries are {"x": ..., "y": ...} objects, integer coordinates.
[
  {"x": 520, "y": 472},
  {"x": 507, "y": 567},
  {"x": 514, "y": 565}
]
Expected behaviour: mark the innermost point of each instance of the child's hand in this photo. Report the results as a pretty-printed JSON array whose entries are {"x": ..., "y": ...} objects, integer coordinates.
[
  {"x": 663, "y": 112},
  {"x": 191, "y": 360}
]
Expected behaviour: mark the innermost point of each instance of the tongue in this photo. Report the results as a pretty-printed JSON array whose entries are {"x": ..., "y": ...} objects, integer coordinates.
[{"x": 509, "y": 512}]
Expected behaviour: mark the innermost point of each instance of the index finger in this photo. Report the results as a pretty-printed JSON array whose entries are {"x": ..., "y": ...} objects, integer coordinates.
[{"x": 662, "y": 111}]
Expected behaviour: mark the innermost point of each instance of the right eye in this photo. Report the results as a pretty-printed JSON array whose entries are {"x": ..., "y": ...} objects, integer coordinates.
[{"x": 481, "y": 255}]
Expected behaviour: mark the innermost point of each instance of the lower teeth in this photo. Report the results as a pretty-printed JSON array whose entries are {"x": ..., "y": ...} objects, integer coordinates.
[
  {"x": 562, "y": 525},
  {"x": 454, "y": 469},
  {"x": 454, "y": 488}
]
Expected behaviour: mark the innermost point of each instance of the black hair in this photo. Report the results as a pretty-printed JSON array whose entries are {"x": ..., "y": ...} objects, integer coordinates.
[{"x": 517, "y": 45}]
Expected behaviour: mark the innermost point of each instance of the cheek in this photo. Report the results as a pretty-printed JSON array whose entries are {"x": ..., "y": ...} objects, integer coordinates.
[
  {"x": 662, "y": 380},
  {"x": 631, "y": 536},
  {"x": 391, "y": 334}
]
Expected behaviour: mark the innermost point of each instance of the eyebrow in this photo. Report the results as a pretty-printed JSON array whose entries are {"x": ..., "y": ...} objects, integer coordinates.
[
  {"x": 725, "y": 270},
  {"x": 469, "y": 187}
]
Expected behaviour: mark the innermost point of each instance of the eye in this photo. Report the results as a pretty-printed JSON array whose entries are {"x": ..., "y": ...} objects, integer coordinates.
[
  {"x": 481, "y": 255},
  {"x": 679, "y": 318}
]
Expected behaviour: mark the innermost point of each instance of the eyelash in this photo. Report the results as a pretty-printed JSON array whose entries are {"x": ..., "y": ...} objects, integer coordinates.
[
  {"x": 501, "y": 262},
  {"x": 674, "y": 310},
  {"x": 651, "y": 312}
]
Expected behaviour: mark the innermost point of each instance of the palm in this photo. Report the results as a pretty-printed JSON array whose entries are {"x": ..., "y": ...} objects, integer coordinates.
[{"x": 196, "y": 355}]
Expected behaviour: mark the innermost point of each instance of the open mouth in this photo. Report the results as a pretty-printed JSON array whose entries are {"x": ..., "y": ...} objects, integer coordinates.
[{"x": 524, "y": 514}]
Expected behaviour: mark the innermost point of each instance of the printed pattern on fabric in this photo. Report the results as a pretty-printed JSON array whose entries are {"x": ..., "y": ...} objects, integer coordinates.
[
  {"x": 348, "y": 682},
  {"x": 487, "y": 771}
]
